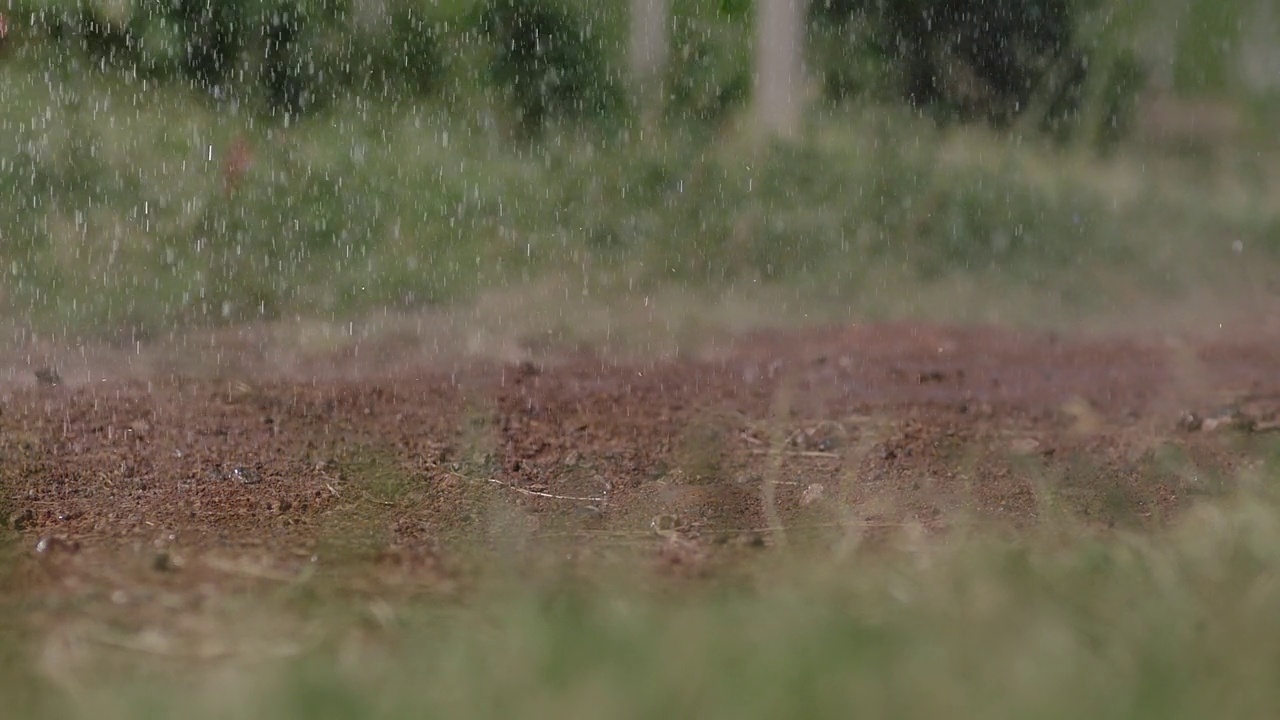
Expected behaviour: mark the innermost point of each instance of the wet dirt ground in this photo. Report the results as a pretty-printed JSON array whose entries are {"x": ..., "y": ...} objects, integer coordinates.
[{"x": 402, "y": 466}]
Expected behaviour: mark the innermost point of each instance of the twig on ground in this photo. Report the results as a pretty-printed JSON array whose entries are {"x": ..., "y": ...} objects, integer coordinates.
[
  {"x": 133, "y": 645},
  {"x": 800, "y": 453},
  {"x": 769, "y": 488},
  {"x": 537, "y": 493},
  {"x": 372, "y": 499},
  {"x": 585, "y": 532},
  {"x": 287, "y": 650},
  {"x": 641, "y": 534},
  {"x": 827, "y": 526},
  {"x": 542, "y": 494}
]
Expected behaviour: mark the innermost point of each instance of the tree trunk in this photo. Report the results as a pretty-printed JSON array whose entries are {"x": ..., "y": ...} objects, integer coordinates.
[
  {"x": 779, "y": 73},
  {"x": 650, "y": 38}
]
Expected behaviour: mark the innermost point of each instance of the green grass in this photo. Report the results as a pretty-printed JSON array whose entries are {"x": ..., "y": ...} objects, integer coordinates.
[
  {"x": 120, "y": 225},
  {"x": 1060, "y": 622}
]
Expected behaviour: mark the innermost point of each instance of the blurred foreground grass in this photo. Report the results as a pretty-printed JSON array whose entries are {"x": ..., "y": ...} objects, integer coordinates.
[
  {"x": 1059, "y": 622},
  {"x": 134, "y": 209}
]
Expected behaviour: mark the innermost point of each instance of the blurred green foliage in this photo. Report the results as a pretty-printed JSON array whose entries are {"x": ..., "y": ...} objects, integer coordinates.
[
  {"x": 291, "y": 54},
  {"x": 548, "y": 60},
  {"x": 1056, "y": 64},
  {"x": 430, "y": 151},
  {"x": 1207, "y": 46},
  {"x": 1057, "y": 620},
  {"x": 709, "y": 74},
  {"x": 1068, "y": 66},
  {"x": 551, "y": 59}
]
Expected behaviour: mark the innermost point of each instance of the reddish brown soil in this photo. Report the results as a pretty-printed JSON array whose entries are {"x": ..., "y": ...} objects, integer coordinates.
[{"x": 402, "y": 466}]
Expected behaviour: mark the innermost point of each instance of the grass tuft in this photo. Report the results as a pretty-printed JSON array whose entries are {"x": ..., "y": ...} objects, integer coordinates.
[{"x": 1060, "y": 622}]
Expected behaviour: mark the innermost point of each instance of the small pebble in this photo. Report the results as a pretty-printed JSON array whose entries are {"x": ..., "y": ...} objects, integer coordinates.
[{"x": 812, "y": 494}]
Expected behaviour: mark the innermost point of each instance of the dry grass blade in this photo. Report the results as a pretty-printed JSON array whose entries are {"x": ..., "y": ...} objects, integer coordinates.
[
  {"x": 376, "y": 501},
  {"x": 165, "y": 647},
  {"x": 535, "y": 493},
  {"x": 817, "y": 454},
  {"x": 769, "y": 488}
]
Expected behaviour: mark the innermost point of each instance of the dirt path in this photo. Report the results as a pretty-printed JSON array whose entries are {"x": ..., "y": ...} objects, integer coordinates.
[{"x": 859, "y": 428}]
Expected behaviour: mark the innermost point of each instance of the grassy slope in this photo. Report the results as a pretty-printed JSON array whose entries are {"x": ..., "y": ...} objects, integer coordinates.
[{"x": 119, "y": 223}]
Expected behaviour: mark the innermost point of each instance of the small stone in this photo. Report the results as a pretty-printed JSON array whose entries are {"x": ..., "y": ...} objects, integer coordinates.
[
  {"x": 1024, "y": 445},
  {"x": 1216, "y": 423},
  {"x": 49, "y": 544},
  {"x": 812, "y": 494}
]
